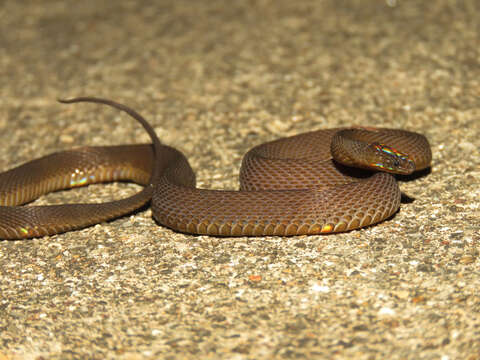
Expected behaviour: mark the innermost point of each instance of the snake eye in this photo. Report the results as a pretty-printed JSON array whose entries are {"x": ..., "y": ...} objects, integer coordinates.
[{"x": 392, "y": 160}]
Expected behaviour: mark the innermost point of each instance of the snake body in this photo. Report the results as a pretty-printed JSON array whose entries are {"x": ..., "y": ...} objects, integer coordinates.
[{"x": 296, "y": 185}]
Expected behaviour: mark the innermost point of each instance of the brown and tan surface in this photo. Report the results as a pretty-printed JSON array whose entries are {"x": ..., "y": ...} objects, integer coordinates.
[{"x": 215, "y": 78}]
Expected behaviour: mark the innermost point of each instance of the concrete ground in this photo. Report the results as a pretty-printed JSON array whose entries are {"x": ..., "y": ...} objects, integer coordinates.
[{"x": 216, "y": 78}]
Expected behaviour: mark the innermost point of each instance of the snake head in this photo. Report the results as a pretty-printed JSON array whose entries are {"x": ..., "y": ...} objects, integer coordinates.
[{"x": 390, "y": 160}]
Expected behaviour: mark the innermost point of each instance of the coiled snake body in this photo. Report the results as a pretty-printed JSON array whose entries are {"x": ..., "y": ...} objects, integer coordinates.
[{"x": 290, "y": 186}]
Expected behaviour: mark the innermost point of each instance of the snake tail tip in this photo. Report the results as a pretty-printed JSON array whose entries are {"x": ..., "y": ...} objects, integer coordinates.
[{"x": 65, "y": 101}]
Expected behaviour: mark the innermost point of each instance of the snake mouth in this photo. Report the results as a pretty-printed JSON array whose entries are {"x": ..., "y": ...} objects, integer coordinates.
[{"x": 391, "y": 160}]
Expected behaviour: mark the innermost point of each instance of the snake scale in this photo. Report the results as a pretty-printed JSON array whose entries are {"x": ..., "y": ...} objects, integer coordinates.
[{"x": 302, "y": 184}]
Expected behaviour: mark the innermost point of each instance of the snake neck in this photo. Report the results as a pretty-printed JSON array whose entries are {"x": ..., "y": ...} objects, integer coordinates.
[{"x": 347, "y": 149}]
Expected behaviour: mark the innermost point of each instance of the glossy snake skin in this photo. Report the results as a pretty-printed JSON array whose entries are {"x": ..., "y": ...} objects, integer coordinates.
[{"x": 290, "y": 186}]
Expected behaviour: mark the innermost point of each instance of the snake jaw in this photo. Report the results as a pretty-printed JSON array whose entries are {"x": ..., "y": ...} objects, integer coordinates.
[{"x": 392, "y": 160}]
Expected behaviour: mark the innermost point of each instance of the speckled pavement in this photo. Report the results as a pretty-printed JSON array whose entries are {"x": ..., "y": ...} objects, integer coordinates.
[{"x": 216, "y": 78}]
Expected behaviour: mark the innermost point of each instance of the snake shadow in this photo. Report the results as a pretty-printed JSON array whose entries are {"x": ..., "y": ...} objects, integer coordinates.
[{"x": 406, "y": 199}]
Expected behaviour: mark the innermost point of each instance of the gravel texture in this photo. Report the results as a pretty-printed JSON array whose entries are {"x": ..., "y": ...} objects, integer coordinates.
[{"x": 215, "y": 78}]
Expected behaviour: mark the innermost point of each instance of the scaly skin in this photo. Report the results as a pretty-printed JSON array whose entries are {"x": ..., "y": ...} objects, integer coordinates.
[{"x": 289, "y": 186}]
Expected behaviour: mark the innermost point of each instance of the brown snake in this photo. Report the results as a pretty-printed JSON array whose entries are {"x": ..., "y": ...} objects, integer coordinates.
[{"x": 290, "y": 186}]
